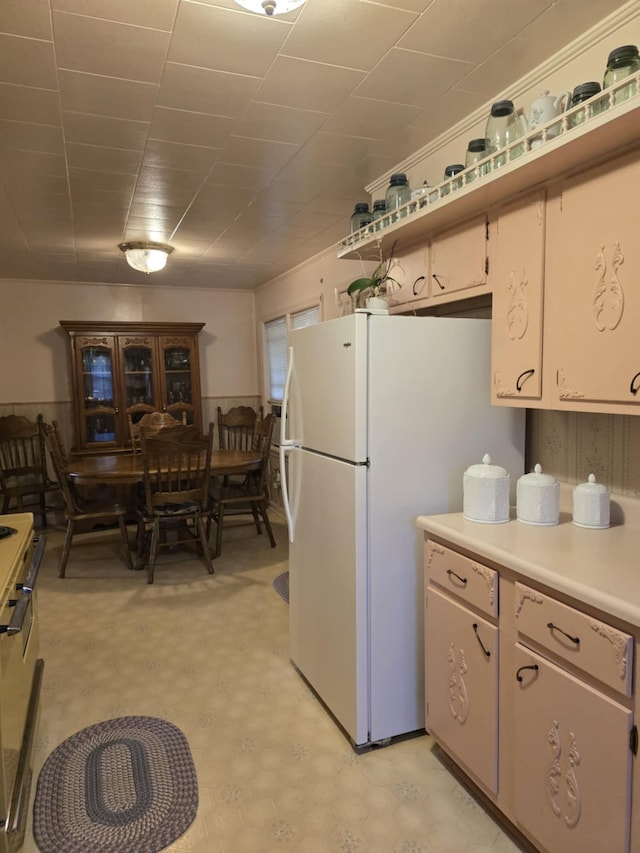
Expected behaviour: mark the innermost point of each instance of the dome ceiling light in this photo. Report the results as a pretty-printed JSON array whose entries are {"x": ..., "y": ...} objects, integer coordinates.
[
  {"x": 146, "y": 256},
  {"x": 270, "y": 7}
]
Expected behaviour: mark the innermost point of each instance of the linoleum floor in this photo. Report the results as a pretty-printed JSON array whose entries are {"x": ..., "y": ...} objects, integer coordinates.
[{"x": 210, "y": 654}]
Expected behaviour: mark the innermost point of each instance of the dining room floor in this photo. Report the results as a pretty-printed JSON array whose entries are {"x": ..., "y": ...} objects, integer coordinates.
[{"x": 210, "y": 654}]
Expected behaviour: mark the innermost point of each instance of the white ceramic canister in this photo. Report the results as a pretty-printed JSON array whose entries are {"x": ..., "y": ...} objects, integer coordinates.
[
  {"x": 538, "y": 498},
  {"x": 591, "y": 504},
  {"x": 486, "y": 493}
]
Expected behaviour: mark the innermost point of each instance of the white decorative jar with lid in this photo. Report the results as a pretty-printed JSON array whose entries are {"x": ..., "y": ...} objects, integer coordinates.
[
  {"x": 538, "y": 498},
  {"x": 486, "y": 493},
  {"x": 591, "y": 504}
]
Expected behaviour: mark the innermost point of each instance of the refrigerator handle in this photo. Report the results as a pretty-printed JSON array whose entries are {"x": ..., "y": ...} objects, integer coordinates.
[
  {"x": 285, "y": 489},
  {"x": 286, "y": 445}
]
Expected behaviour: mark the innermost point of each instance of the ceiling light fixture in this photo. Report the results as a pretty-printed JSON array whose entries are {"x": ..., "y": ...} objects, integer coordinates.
[
  {"x": 146, "y": 256},
  {"x": 270, "y": 7}
]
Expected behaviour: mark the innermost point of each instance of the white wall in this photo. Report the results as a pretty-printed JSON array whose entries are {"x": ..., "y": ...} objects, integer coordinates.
[{"x": 33, "y": 346}]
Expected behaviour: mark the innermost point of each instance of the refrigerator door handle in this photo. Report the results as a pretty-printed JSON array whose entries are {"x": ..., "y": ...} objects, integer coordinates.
[
  {"x": 285, "y": 489},
  {"x": 286, "y": 445}
]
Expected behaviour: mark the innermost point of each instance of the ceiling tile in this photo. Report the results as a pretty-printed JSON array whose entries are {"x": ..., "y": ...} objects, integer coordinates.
[
  {"x": 103, "y": 130},
  {"x": 158, "y": 14},
  {"x": 264, "y": 154},
  {"x": 447, "y": 109},
  {"x": 24, "y": 103},
  {"x": 211, "y": 37},
  {"x": 370, "y": 118},
  {"x": 284, "y": 124},
  {"x": 86, "y": 44},
  {"x": 89, "y": 179},
  {"x": 307, "y": 85},
  {"x": 100, "y": 157},
  {"x": 31, "y": 163},
  {"x": 31, "y": 137},
  {"x": 107, "y": 96},
  {"x": 469, "y": 32},
  {"x": 189, "y": 127},
  {"x": 317, "y": 37},
  {"x": 176, "y": 155},
  {"x": 504, "y": 67},
  {"x": 27, "y": 62},
  {"x": 202, "y": 90},
  {"x": 394, "y": 78},
  {"x": 234, "y": 175},
  {"x": 29, "y": 18}
]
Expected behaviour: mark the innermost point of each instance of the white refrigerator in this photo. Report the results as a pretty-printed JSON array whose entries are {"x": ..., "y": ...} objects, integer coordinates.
[{"x": 381, "y": 416}]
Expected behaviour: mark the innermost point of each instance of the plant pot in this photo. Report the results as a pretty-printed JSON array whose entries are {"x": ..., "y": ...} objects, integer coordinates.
[{"x": 378, "y": 302}]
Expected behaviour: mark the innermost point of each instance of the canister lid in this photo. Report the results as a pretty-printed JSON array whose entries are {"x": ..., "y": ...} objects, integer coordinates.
[
  {"x": 591, "y": 487},
  {"x": 502, "y": 108},
  {"x": 537, "y": 478},
  {"x": 486, "y": 470}
]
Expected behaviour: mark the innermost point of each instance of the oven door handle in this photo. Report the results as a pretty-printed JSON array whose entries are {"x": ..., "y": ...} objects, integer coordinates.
[{"x": 34, "y": 568}]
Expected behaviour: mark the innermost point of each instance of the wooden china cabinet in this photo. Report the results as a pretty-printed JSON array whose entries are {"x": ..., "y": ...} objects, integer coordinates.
[{"x": 120, "y": 369}]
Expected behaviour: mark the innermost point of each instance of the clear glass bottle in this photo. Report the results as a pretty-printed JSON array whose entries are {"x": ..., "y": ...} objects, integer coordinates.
[
  {"x": 398, "y": 193},
  {"x": 476, "y": 151},
  {"x": 582, "y": 93},
  {"x": 379, "y": 210},
  {"x": 503, "y": 128},
  {"x": 361, "y": 216},
  {"x": 450, "y": 172},
  {"x": 622, "y": 62}
]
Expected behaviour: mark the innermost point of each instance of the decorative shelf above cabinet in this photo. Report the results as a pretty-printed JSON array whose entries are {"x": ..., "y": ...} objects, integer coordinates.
[{"x": 589, "y": 133}]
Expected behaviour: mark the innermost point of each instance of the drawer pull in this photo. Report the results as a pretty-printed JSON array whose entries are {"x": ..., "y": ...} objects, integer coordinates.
[
  {"x": 463, "y": 581},
  {"x": 553, "y": 627},
  {"x": 482, "y": 645},
  {"x": 533, "y": 666}
]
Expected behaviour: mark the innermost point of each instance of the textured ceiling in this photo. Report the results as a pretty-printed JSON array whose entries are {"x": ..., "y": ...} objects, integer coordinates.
[{"x": 241, "y": 140}]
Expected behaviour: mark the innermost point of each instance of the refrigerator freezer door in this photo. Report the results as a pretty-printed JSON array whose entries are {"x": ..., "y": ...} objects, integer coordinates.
[
  {"x": 328, "y": 585},
  {"x": 327, "y": 405}
]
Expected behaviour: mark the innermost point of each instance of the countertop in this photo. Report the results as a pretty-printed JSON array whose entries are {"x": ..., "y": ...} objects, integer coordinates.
[{"x": 597, "y": 567}]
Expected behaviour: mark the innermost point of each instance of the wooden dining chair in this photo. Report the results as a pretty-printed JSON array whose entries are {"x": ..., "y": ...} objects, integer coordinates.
[
  {"x": 235, "y": 427},
  {"x": 177, "y": 470},
  {"x": 252, "y": 496},
  {"x": 24, "y": 477},
  {"x": 79, "y": 508},
  {"x": 152, "y": 421}
]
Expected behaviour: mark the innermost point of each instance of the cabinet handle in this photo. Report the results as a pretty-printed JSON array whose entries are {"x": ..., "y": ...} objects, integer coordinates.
[
  {"x": 533, "y": 666},
  {"x": 416, "y": 282},
  {"x": 526, "y": 374},
  {"x": 635, "y": 386},
  {"x": 441, "y": 286},
  {"x": 553, "y": 627},
  {"x": 451, "y": 573},
  {"x": 482, "y": 645}
]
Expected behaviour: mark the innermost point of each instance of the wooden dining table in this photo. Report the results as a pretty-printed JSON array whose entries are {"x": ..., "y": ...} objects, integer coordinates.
[{"x": 121, "y": 469}]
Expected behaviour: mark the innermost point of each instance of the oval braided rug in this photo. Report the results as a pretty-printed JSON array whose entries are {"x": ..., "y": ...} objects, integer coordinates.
[{"x": 126, "y": 785}]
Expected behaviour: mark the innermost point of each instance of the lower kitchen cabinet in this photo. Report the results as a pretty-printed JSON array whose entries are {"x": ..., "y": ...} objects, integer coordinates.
[
  {"x": 532, "y": 698},
  {"x": 462, "y": 685},
  {"x": 572, "y": 760}
]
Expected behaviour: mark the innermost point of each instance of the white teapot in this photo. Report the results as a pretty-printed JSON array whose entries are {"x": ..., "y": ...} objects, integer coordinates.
[{"x": 544, "y": 109}]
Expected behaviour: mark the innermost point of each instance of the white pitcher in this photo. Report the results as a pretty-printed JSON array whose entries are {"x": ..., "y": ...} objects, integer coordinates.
[{"x": 544, "y": 109}]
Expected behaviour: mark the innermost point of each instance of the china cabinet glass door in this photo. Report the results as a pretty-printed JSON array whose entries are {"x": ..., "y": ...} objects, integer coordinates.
[
  {"x": 99, "y": 417},
  {"x": 140, "y": 391},
  {"x": 178, "y": 377}
]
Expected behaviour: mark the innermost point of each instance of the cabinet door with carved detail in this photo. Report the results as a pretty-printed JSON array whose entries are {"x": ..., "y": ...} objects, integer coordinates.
[
  {"x": 518, "y": 278},
  {"x": 572, "y": 760},
  {"x": 462, "y": 686},
  {"x": 592, "y": 298},
  {"x": 458, "y": 260}
]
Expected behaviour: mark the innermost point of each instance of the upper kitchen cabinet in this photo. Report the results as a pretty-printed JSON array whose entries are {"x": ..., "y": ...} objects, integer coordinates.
[
  {"x": 121, "y": 369},
  {"x": 517, "y": 282},
  {"x": 411, "y": 275},
  {"x": 592, "y": 299},
  {"x": 459, "y": 260}
]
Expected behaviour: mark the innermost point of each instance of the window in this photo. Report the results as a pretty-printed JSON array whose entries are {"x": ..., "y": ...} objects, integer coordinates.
[{"x": 275, "y": 336}]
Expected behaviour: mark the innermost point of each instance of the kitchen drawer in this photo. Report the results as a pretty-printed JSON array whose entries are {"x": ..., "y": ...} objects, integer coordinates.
[
  {"x": 593, "y": 646},
  {"x": 467, "y": 579}
]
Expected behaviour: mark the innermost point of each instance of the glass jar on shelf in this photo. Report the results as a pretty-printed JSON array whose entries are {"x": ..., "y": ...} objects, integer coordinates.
[
  {"x": 398, "y": 194},
  {"x": 360, "y": 217},
  {"x": 584, "y": 92},
  {"x": 379, "y": 210},
  {"x": 476, "y": 151},
  {"x": 451, "y": 172},
  {"x": 621, "y": 63}
]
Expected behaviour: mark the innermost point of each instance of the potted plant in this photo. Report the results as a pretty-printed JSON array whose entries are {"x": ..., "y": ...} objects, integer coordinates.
[{"x": 373, "y": 290}]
